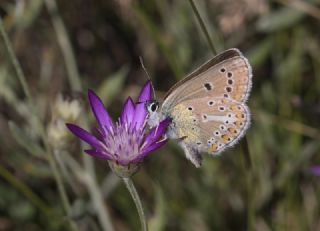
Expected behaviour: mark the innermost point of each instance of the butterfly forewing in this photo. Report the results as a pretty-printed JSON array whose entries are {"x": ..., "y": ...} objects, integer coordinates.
[
  {"x": 229, "y": 78},
  {"x": 215, "y": 60}
]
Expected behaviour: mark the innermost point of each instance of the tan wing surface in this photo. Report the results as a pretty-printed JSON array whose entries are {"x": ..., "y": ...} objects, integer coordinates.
[
  {"x": 226, "y": 75},
  {"x": 217, "y": 123}
]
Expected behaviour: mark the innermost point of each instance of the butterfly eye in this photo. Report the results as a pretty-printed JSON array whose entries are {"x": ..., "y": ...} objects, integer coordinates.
[{"x": 153, "y": 106}]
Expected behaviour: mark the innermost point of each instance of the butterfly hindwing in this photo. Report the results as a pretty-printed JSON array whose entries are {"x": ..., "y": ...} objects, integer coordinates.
[
  {"x": 208, "y": 125},
  {"x": 222, "y": 122}
]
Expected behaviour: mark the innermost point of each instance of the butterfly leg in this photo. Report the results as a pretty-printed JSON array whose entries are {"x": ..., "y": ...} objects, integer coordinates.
[{"x": 191, "y": 153}]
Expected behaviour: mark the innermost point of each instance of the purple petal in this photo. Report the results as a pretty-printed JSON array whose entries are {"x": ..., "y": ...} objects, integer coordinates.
[
  {"x": 127, "y": 111},
  {"x": 140, "y": 115},
  {"x": 99, "y": 111},
  {"x": 146, "y": 92},
  {"x": 148, "y": 150},
  {"x": 315, "y": 170},
  {"x": 157, "y": 132},
  {"x": 96, "y": 153},
  {"x": 141, "y": 112},
  {"x": 84, "y": 135}
]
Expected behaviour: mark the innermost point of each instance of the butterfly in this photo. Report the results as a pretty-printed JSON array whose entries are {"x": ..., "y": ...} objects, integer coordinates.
[{"x": 208, "y": 107}]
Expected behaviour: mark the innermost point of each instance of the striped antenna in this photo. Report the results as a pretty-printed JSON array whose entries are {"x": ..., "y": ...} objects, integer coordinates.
[{"x": 145, "y": 70}]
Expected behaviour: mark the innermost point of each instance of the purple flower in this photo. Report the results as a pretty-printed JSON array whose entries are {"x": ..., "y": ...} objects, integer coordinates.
[
  {"x": 124, "y": 142},
  {"x": 315, "y": 170}
]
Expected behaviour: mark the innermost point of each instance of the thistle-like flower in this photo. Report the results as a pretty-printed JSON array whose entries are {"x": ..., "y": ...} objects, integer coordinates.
[{"x": 124, "y": 143}]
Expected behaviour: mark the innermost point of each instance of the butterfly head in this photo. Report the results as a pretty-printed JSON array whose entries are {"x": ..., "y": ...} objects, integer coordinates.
[
  {"x": 154, "y": 114},
  {"x": 152, "y": 106}
]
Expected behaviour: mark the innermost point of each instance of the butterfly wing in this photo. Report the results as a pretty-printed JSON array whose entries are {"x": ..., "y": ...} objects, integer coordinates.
[
  {"x": 208, "y": 106},
  {"x": 222, "y": 122},
  {"x": 226, "y": 75}
]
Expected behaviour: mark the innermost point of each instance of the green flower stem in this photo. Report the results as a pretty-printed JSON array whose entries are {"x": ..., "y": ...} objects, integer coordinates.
[
  {"x": 53, "y": 165},
  {"x": 135, "y": 196}
]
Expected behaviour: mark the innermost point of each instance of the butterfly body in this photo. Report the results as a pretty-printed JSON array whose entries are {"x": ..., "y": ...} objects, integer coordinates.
[{"x": 207, "y": 107}]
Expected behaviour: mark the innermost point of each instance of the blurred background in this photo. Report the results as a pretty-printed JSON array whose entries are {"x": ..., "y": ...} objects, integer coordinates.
[{"x": 66, "y": 47}]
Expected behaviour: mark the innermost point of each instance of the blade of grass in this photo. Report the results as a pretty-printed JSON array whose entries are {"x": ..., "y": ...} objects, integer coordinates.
[
  {"x": 214, "y": 49},
  {"x": 15, "y": 63}
]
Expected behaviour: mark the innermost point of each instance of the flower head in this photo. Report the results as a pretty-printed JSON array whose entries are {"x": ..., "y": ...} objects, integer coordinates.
[
  {"x": 63, "y": 110},
  {"x": 68, "y": 109},
  {"x": 125, "y": 142}
]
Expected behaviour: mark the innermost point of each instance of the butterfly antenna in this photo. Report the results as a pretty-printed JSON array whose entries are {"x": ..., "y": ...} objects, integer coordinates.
[{"x": 145, "y": 70}]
